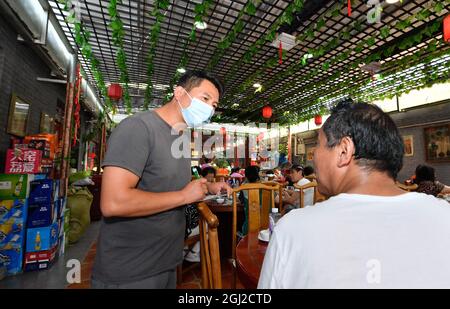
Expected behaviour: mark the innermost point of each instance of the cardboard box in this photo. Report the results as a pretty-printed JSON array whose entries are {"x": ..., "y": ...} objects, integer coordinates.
[
  {"x": 13, "y": 186},
  {"x": 40, "y": 260},
  {"x": 16, "y": 209},
  {"x": 41, "y": 239},
  {"x": 23, "y": 161},
  {"x": 12, "y": 257},
  {"x": 41, "y": 191},
  {"x": 40, "y": 215},
  {"x": 47, "y": 142},
  {"x": 12, "y": 232},
  {"x": 42, "y": 145},
  {"x": 17, "y": 186}
]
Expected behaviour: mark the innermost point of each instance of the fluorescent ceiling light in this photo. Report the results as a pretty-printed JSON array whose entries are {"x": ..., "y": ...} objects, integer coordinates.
[
  {"x": 181, "y": 70},
  {"x": 200, "y": 25}
]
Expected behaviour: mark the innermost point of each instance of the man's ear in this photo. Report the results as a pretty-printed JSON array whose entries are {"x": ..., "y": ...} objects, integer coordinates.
[
  {"x": 178, "y": 93},
  {"x": 346, "y": 150}
]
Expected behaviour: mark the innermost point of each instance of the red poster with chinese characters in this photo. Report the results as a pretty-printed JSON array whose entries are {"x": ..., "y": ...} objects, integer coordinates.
[{"x": 23, "y": 161}]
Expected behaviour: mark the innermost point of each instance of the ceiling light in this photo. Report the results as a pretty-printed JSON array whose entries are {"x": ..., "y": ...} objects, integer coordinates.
[
  {"x": 257, "y": 85},
  {"x": 308, "y": 56},
  {"x": 181, "y": 70},
  {"x": 391, "y": 1},
  {"x": 200, "y": 25}
]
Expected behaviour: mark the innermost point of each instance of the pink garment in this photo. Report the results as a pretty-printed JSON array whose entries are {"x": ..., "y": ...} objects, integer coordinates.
[{"x": 236, "y": 175}]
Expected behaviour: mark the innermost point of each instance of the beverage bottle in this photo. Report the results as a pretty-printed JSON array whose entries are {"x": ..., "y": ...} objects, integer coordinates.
[
  {"x": 196, "y": 175},
  {"x": 274, "y": 216},
  {"x": 18, "y": 186},
  {"x": 37, "y": 242}
]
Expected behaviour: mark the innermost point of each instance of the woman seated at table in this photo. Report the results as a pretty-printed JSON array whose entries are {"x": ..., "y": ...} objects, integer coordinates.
[
  {"x": 251, "y": 176},
  {"x": 426, "y": 180},
  {"x": 209, "y": 173}
]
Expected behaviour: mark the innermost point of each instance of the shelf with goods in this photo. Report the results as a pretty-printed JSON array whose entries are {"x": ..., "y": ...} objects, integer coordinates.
[{"x": 32, "y": 208}]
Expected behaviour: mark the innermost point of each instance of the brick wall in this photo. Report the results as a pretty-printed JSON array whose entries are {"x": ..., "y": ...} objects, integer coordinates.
[{"x": 20, "y": 65}]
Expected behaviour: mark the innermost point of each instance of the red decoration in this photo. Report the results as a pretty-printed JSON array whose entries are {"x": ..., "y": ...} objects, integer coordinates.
[
  {"x": 223, "y": 131},
  {"x": 447, "y": 29},
  {"x": 260, "y": 137},
  {"x": 115, "y": 92},
  {"x": 76, "y": 114},
  {"x": 349, "y": 4},
  {"x": 267, "y": 112},
  {"x": 318, "y": 120},
  {"x": 280, "y": 52}
]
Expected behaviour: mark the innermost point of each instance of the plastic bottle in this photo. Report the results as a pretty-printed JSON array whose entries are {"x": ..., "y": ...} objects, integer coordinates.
[
  {"x": 18, "y": 186},
  {"x": 37, "y": 242},
  {"x": 273, "y": 219}
]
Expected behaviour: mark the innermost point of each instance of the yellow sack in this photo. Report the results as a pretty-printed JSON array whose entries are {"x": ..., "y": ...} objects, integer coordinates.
[{"x": 79, "y": 201}]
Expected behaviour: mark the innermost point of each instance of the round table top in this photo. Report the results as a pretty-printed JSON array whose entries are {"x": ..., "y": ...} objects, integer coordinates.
[
  {"x": 217, "y": 207},
  {"x": 250, "y": 253}
]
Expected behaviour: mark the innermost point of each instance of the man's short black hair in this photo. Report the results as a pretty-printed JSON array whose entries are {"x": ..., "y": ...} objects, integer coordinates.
[
  {"x": 192, "y": 79},
  {"x": 252, "y": 173},
  {"x": 424, "y": 173},
  {"x": 298, "y": 168},
  {"x": 308, "y": 170},
  {"x": 378, "y": 144},
  {"x": 208, "y": 170}
]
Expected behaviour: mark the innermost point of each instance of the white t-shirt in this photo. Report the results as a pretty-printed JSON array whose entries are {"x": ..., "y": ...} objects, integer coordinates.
[
  {"x": 309, "y": 193},
  {"x": 362, "y": 241}
]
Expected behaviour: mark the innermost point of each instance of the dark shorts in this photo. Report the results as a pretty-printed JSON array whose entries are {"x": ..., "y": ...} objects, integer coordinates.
[{"x": 165, "y": 280}]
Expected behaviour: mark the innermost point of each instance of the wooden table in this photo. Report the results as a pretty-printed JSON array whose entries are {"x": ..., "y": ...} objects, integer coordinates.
[
  {"x": 250, "y": 254},
  {"x": 225, "y": 215}
]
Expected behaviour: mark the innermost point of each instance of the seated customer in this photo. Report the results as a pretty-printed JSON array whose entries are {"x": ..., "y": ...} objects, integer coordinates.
[
  {"x": 370, "y": 233},
  {"x": 308, "y": 172},
  {"x": 209, "y": 173},
  {"x": 426, "y": 180},
  {"x": 251, "y": 176},
  {"x": 292, "y": 198}
]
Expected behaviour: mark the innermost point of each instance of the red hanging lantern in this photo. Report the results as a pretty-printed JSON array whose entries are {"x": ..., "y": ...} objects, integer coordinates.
[
  {"x": 349, "y": 8},
  {"x": 267, "y": 112},
  {"x": 115, "y": 92},
  {"x": 447, "y": 29},
  {"x": 318, "y": 120},
  {"x": 223, "y": 131}
]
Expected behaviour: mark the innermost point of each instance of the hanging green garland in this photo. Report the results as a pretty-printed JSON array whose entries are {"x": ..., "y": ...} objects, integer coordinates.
[
  {"x": 118, "y": 33},
  {"x": 82, "y": 39},
  {"x": 201, "y": 11},
  {"x": 250, "y": 10},
  {"x": 160, "y": 5}
]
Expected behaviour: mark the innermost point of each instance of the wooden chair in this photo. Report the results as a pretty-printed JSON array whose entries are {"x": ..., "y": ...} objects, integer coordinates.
[
  {"x": 317, "y": 197},
  {"x": 280, "y": 192},
  {"x": 209, "y": 248},
  {"x": 189, "y": 243},
  {"x": 258, "y": 214},
  {"x": 410, "y": 188}
]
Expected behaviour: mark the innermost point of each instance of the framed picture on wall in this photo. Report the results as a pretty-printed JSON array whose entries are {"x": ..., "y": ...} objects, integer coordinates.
[
  {"x": 19, "y": 112},
  {"x": 437, "y": 143},
  {"x": 310, "y": 154},
  {"x": 408, "y": 143},
  {"x": 46, "y": 124}
]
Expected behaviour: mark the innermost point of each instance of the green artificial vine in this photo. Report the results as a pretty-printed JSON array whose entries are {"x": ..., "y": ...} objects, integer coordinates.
[
  {"x": 82, "y": 39},
  {"x": 345, "y": 35},
  {"x": 250, "y": 10},
  {"x": 155, "y": 30},
  {"x": 200, "y": 11},
  {"x": 286, "y": 18},
  {"x": 117, "y": 37}
]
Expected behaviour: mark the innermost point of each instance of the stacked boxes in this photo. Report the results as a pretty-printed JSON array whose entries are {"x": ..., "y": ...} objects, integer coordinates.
[
  {"x": 43, "y": 226},
  {"x": 13, "y": 215}
]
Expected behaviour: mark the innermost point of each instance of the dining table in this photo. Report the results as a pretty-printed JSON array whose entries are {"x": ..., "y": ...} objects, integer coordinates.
[
  {"x": 250, "y": 253},
  {"x": 224, "y": 212}
]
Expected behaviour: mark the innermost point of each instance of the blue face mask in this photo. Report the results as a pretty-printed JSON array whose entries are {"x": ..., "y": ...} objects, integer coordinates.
[{"x": 197, "y": 113}]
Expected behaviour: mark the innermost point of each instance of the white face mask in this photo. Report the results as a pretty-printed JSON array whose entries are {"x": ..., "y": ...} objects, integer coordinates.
[{"x": 197, "y": 113}]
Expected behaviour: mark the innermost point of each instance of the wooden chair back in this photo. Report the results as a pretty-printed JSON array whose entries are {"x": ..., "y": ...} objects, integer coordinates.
[{"x": 209, "y": 248}]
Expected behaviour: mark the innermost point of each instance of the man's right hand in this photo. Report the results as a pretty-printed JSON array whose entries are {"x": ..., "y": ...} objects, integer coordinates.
[{"x": 195, "y": 191}]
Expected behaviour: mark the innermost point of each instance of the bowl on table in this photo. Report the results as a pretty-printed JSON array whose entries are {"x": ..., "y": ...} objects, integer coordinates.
[{"x": 220, "y": 200}]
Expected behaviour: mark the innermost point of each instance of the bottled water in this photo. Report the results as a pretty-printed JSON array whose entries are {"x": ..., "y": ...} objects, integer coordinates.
[{"x": 273, "y": 219}]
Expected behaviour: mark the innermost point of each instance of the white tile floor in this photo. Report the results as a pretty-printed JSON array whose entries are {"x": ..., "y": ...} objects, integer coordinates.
[{"x": 55, "y": 277}]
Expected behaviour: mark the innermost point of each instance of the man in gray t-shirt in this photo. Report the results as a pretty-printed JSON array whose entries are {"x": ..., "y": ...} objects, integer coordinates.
[{"x": 144, "y": 189}]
